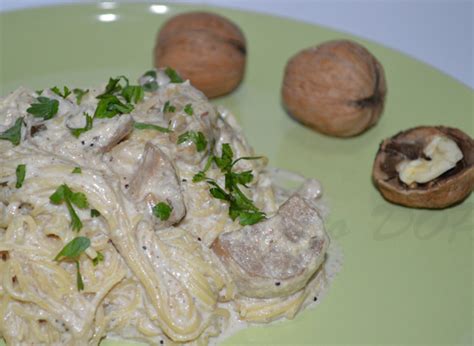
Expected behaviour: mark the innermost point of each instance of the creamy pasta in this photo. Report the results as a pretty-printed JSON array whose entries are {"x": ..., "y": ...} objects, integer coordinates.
[{"x": 126, "y": 182}]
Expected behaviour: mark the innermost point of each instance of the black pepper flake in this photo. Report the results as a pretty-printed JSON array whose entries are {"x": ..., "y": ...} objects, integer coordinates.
[
  {"x": 161, "y": 342},
  {"x": 199, "y": 239},
  {"x": 126, "y": 186},
  {"x": 91, "y": 145},
  {"x": 82, "y": 142},
  {"x": 315, "y": 298},
  {"x": 184, "y": 180},
  {"x": 144, "y": 247},
  {"x": 277, "y": 283}
]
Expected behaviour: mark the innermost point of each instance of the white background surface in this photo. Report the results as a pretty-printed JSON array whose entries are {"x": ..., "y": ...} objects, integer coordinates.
[{"x": 437, "y": 32}]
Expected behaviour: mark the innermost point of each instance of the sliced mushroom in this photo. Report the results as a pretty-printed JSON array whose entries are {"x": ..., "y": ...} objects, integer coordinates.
[
  {"x": 156, "y": 181},
  {"x": 278, "y": 256},
  {"x": 105, "y": 134},
  {"x": 440, "y": 180}
]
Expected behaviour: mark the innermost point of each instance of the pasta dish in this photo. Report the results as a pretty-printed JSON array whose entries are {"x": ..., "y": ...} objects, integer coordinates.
[{"x": 140, "y": 212}]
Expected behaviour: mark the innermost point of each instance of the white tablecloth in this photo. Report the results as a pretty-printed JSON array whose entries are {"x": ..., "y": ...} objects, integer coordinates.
[{"x": 437, "y": 32}]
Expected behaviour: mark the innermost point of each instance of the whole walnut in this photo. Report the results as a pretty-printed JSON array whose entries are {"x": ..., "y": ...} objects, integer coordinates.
[
  {"x": 205, "y": 48},
  {"x": 337, "y": 88}
]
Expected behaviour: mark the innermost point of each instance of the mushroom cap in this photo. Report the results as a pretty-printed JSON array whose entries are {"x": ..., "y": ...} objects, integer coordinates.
[
  {"x": 337, "y": 88},
  {"x": 450, "y": 188},
  {"x": 205, "y": 48}
]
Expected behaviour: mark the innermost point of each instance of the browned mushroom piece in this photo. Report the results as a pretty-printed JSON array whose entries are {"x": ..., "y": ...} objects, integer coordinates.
[
  {"x": 205, "y": 48},
  {"x": 278, "y": 256},
  {"x": 452, "y": 186},
  {"x": 337, "y": 88}
]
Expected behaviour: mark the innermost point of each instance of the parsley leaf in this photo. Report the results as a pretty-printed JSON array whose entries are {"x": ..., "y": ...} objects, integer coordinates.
[
  {"x": 99, "y": 258},
  {"x": 201, "y": 175},
  {"x": 63, "y": 94},
  {"x": 71, "y": 251},
  {"x": 151, "y": 84},
  {"x": 45, "y": 108},
  {"x": 162, "y": 211},
  {"x": 145, "y": 126},
  {"x": 240, "y": 206},
  {"x": 173, "y": 75},
  {"x": 109, "y": 106},
  {"x": 168, "y": 107},
  {"x": 197, "y": 138},
  {"x": 133, "y": 93},
  {"x": 113, "y": 86},
  {"x": 95, "y": 213},
  {"x": 188, "y": 109},
  {"x": 13, "y": 134},
  {"x": 79, "y": 94},
  {"x": 64, "y": 194},
  {"x": 77, "y": 170},
  {"x": 20, "y": 175},
  {"x": 76, "y": 132}
]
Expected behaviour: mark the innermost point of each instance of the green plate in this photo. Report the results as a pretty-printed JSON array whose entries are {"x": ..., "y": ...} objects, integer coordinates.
[{"x": 407, "y": 275}]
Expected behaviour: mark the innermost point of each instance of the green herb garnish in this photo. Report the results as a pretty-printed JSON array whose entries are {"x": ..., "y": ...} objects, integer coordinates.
[
  {"x": 79, "y": 94},
  {"x": 76, "y": 132},
  {"x": 152, "y": 85},
  {"x": 133, "y": 93},
  {"x": 20, "y": 175},
  {"x": 64, "y": 94},
  {"x": 168, "y": 107},
  {"x": 64, "y": 194},
  {"x": 240, "y": 206},
  {"x": 95, "y": 213},
  {"x": 99, "y": 258},
  {"x": 109, "y": 106},
  {"x": 162, "y": 211},
  {"x": 13, "y": 134},
  {"x": 197, "y": 138},
  {"x": 173, "y": 75},
  {"x": 46, "y": 108},
  {"x": 71, "y": 251},
  {"x": 188, "y": 109},
  {"x": 77, "y": 170},
  {"x": 145, "y": 126}
]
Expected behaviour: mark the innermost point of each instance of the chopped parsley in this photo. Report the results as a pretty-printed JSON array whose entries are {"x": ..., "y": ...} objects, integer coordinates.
[
  {"x": 152, "y": 84},
  {"x": 197, "y": 138},
  {"x": 240, "y": 206},
  {"x": 188, "y": 109},
  {"x": 79, "y": 94},
  {"x": 77, "y": 170},
  {"x": 133, "y": 93},
  {"x": 13, "y": 134},
  {"x": 162, "y": 211},
  {"x": 71, "y": 251},
  {"x": 168, "y": 107},
  {"x": 173, "y": 75},
  {"x": 109, "y": 106},
  {"x": 64, "y": 194},
  {"x": 99, "y": 258},
  {"x": 64, "y": 94},
  {"x": 95, "y": 213},
  {"x": 76, "y": 132},
  {"x": 145, "y": 126},
  {"x": 46, "y": 108},
  {"x": 20, "y": 175}
]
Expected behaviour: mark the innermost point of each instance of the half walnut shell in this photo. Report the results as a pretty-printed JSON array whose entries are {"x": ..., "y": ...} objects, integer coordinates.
[{"x": 449, "y": 188}]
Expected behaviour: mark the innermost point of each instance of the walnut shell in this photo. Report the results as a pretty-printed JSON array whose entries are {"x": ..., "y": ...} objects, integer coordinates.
[
  {"x": 337, "y": 88},
  {"x": 205, "y": 48},
  {"x": 450, "y": 188}
]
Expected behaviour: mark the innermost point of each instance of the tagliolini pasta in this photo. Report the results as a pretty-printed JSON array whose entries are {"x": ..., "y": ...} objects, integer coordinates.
[{"x": 116, "y": 171}]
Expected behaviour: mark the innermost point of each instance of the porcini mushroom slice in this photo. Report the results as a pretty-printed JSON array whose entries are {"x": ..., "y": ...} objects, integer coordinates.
[
  {"x": 155, "y": 181},
  {"x": 105, "y": 134},
  {"x": 409, "y": 149},
  {"x": 278, "y": 256}
]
